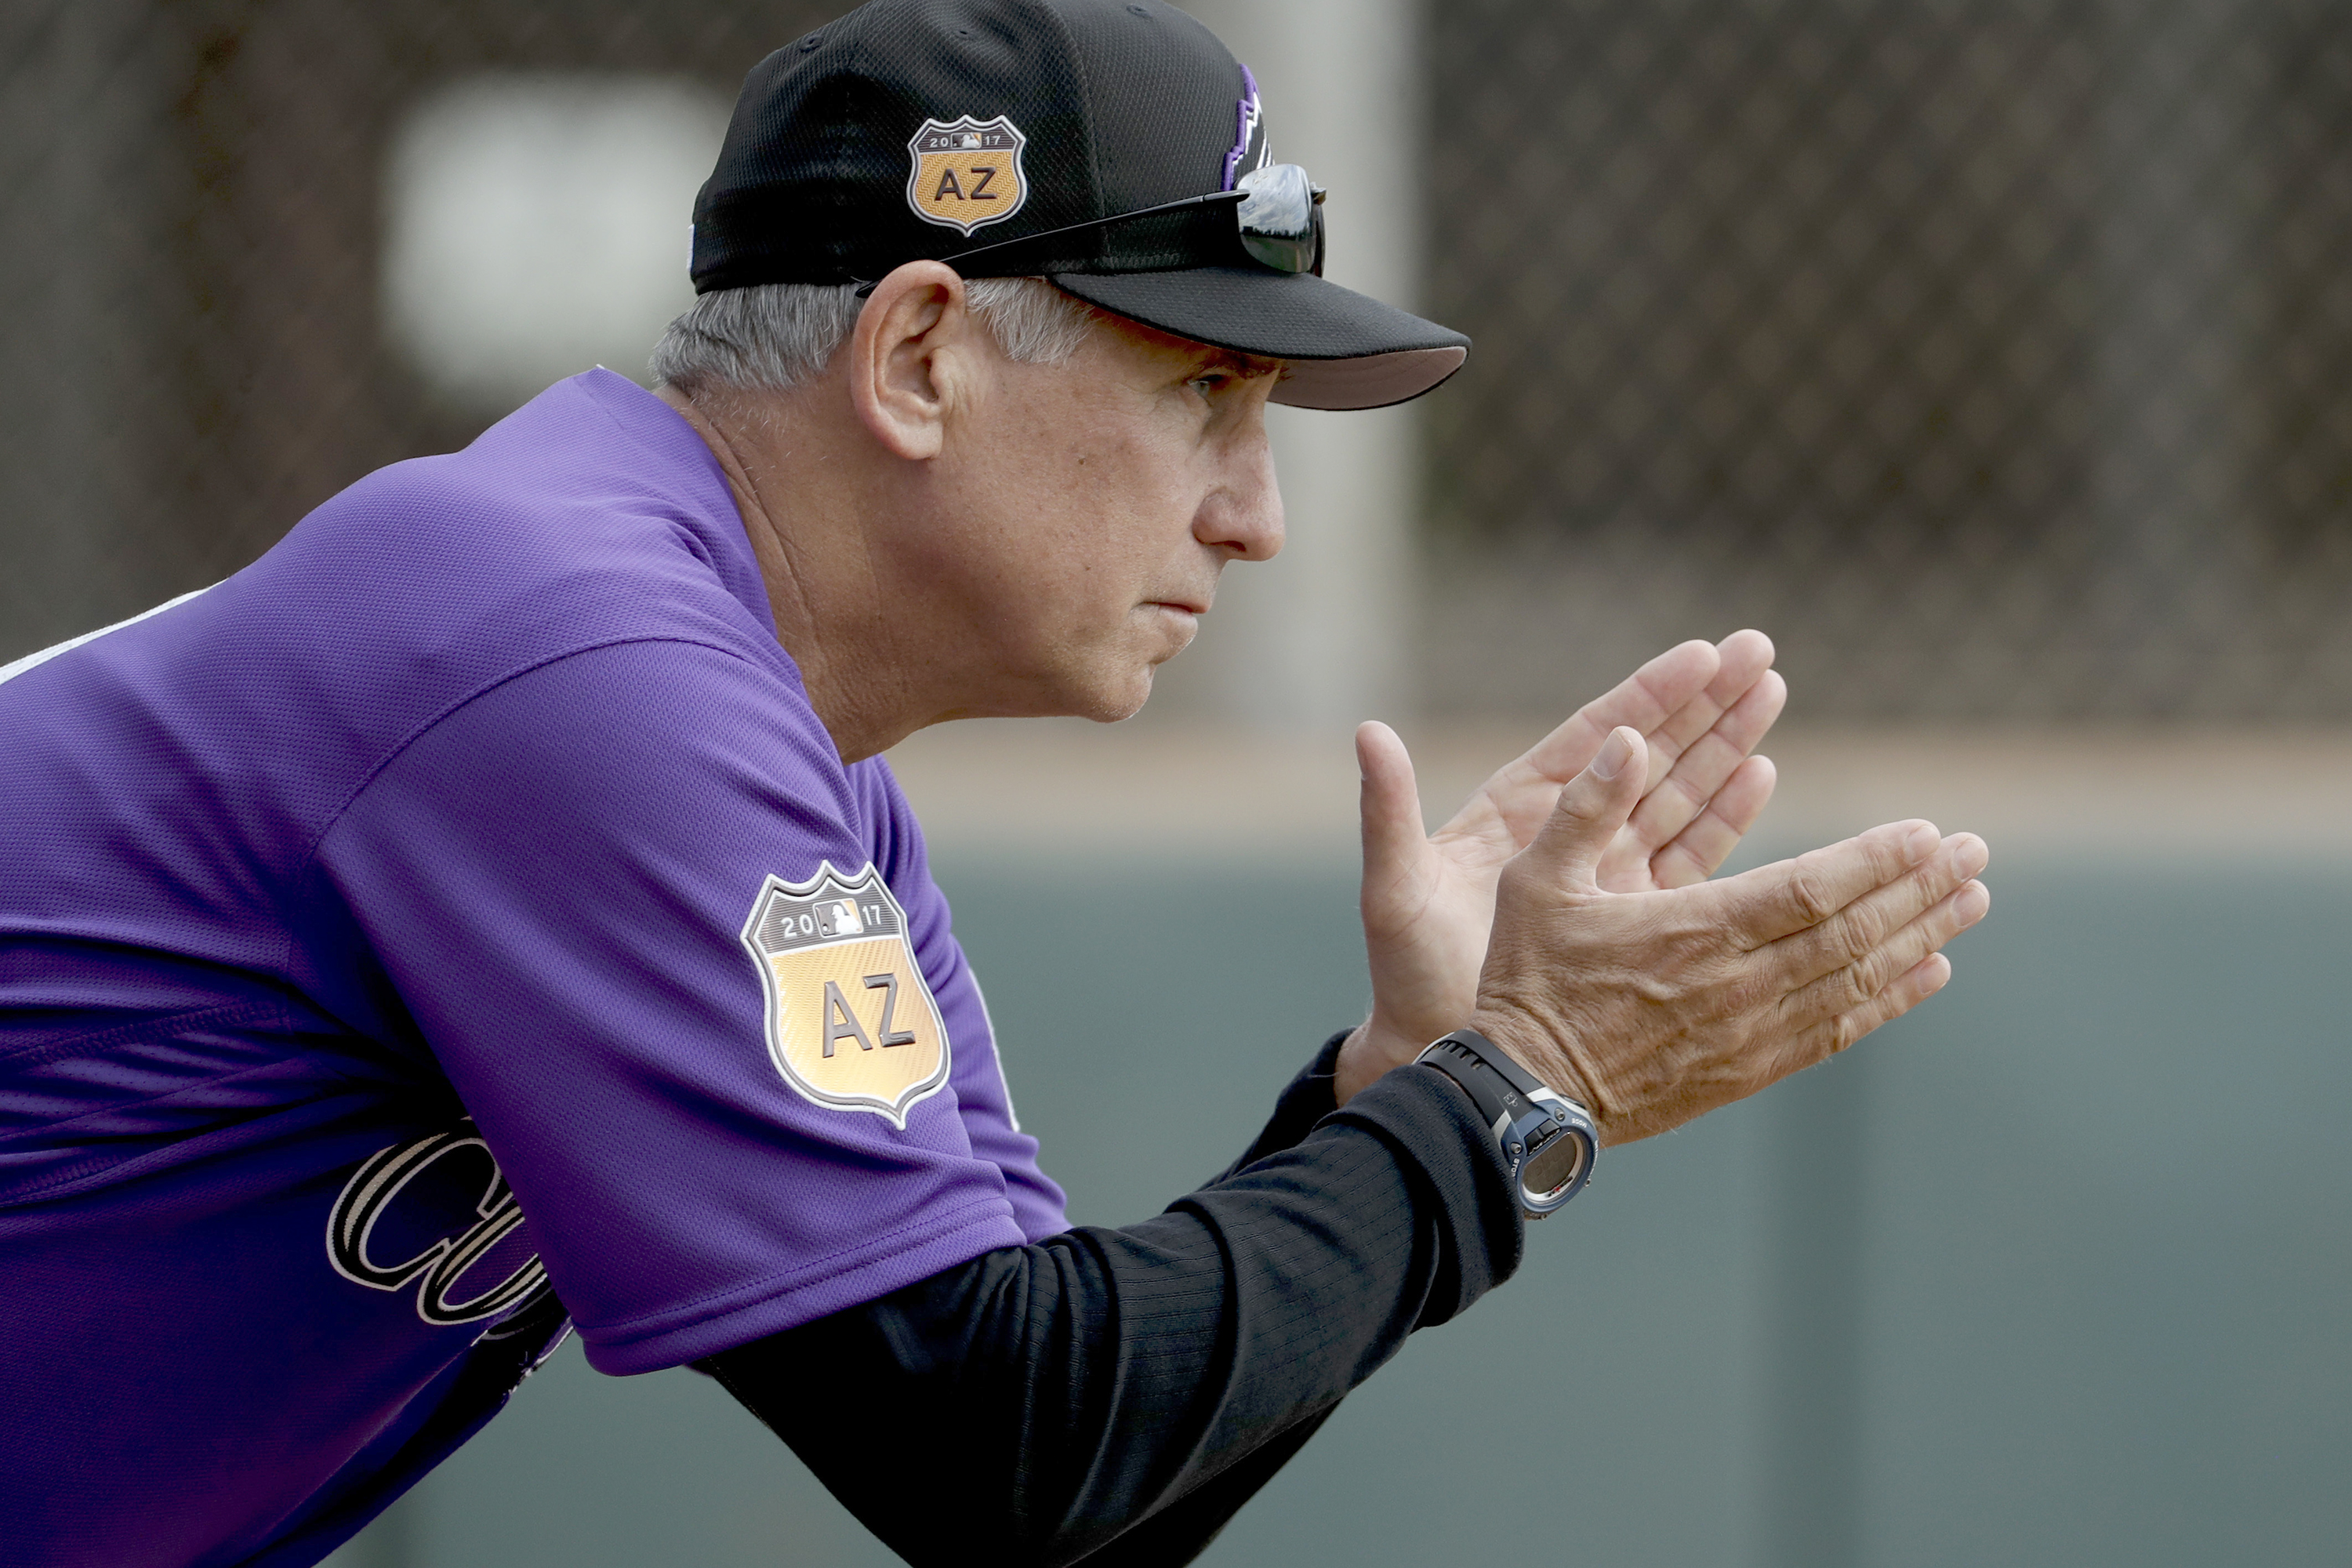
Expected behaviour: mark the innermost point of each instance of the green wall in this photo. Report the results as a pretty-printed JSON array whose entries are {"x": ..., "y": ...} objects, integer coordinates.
[{"x": 2057, "y": 1271}]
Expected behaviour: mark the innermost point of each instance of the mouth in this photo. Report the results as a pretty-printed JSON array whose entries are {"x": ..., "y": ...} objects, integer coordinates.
[{"x": 1184, "y": 615}]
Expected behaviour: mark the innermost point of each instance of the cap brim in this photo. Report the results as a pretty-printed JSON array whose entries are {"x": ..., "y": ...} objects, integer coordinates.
[{"x": 1343, "y": 350}]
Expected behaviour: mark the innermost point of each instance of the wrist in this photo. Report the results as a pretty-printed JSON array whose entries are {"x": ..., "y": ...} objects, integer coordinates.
[
  {"x": 1375, "y": 1048},
  {"x": 1546, "y": 1140},
  {"x": 1541, "y": 1052},
  {"x": 1361, "y": 1061}
]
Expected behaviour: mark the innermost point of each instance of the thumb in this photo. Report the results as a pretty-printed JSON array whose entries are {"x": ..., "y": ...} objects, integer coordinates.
[
  {"x": 1393, "y": 835},
  {"x": 1592, "y": 809}
]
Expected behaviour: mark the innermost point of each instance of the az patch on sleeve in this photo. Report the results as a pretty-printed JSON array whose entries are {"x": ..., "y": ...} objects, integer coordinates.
[{"x": 851, "y": 1023}]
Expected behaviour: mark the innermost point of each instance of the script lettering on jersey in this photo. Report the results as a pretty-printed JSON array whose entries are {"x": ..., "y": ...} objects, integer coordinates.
[
  {"x": 394, "y": 1185},
  {"x": 851, "y": 1021}
]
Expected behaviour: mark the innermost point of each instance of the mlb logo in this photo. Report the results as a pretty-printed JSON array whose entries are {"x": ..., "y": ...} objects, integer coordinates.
[{"x": 837, "y": 917}]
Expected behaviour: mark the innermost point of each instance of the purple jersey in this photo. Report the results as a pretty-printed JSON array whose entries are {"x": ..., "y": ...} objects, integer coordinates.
[{"x": 455, "y": 919}]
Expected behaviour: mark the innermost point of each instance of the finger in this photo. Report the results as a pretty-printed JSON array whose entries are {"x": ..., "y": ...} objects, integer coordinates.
[
  {"x": 1789, "y": 896},
  {"x": 1393, "y": 839},
  {"x": 1683, "y": 794},
  {"x": 1705, "y": 844},
  {"x": 1855, "y": 983},
  {"x": 1828, "y": 1038},
  {"x": 1746, "y": 654},
  {"x": 1643, "y": 701},
  {"x": 1591, "y": 808},
  {"x": 1743, "y": 657},
  {"x": 1871, "y": 920}
]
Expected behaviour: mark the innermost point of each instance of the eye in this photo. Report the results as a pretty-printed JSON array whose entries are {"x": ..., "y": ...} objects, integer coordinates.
[{"x": 1210, "y": 382}]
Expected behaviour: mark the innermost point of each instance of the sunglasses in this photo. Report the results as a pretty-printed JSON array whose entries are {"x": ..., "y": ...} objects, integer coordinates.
[
  {"x": 1277, "y": 210},
  {"x": 1281, "y": 218}
]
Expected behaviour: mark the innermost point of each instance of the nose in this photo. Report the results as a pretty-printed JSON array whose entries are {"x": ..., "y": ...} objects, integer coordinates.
[{"x": 1242, "y": 513}]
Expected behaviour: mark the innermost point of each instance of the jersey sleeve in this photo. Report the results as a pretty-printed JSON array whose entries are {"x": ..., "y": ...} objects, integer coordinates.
[
  {"x": 983, "y": 1096},
  {"x": 586, "y": 885}
]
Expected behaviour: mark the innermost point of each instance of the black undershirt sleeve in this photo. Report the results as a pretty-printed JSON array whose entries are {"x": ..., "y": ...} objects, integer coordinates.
[{"x": 1112, "y": 1397}]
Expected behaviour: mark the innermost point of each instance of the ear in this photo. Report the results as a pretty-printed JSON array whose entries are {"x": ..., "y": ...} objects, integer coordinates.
[{"x": 911, "y": 357}]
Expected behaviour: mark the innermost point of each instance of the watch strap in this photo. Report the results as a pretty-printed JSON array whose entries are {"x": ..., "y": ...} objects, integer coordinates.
[
  {"x": 1459, "y": 1058},
  {"x": 1524, "y": 1114}
]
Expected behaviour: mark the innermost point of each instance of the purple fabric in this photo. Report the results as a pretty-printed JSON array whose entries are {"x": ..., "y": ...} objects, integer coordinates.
[
  {"x": 1247, "y": 120},
  {"x": 424, "y": 842}
]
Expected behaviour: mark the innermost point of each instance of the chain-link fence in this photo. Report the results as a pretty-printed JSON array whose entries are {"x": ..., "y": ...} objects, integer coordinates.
[
  {"x": 191, "y": 230},
  {"x": 1997, "y": 356}
]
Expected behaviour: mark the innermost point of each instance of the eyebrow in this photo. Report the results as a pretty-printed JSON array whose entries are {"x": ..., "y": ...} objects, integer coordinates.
[{"x": 1244, "y": 364}]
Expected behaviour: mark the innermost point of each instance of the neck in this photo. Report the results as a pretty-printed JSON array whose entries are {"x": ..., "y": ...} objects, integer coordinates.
[{"x": 825, "y": 588}]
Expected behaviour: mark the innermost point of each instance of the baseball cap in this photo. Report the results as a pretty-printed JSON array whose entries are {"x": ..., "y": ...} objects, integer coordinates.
[{"x": 1015, "y": 138}]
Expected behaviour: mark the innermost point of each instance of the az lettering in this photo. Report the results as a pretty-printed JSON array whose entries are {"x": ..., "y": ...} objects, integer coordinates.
[
  {"x": 888, "y": 985},
  {"x": 950, "y": 187},
  {"x": 842, "y": 1023}
]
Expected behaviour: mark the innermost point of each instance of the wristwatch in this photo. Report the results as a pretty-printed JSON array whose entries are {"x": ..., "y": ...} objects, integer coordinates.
[{"x": 1547, "y": 1140}]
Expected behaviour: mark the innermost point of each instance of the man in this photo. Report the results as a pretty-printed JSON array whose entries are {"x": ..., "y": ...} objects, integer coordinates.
[{"x": 491, "y": 906}]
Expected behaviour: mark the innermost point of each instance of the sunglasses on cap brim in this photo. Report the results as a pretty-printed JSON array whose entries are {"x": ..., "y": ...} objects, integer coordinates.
[{"x": 1277, "y": 210}]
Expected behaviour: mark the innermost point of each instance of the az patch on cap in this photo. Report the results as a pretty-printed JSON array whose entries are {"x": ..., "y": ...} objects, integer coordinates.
[
  {"x": 851, "y": 1023},
  {"x": 968, "y": 173}
]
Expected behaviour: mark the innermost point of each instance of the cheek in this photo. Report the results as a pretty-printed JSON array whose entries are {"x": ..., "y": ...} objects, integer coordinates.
[
  {"x": 1090, "y": 505},
  {"x": 1120, "y": 516}
]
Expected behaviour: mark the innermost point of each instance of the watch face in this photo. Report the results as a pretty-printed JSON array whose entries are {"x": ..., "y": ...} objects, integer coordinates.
[{"x": 1555, "y": 1165}]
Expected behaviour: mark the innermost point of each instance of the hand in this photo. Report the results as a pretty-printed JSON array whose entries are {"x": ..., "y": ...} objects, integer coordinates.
[
  {"x": 1654, "y": 1007},
  {"x": 1429, "y": 899}
]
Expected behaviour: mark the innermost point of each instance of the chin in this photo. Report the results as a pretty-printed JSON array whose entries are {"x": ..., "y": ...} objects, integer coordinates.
[
  {"x": 1108, "y": 701},
  {"x": 1125, "y": 704}
]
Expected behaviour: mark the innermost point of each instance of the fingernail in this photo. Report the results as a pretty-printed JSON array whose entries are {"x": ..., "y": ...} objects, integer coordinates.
[
  {"x": 1921, "y": 841},
  {"x": 1973, "y": 901},
  {"x": 1970, "y": 855},
  {"x": 1616, "y": 752}
]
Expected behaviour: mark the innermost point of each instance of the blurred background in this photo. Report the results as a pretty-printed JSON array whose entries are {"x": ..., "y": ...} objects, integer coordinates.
[{"x": 1995, "y": 357}]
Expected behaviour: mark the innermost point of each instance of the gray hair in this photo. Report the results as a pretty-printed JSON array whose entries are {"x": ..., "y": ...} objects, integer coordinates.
[{"x": 772, "y": 337}]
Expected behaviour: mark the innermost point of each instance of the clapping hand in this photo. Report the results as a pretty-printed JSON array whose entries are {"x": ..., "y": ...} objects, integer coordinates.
[{"x": 1429, "y": 897}]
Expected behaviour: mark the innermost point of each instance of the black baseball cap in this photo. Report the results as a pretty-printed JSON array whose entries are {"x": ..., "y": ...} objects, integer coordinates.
[{"x": 999, "y": 136}]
